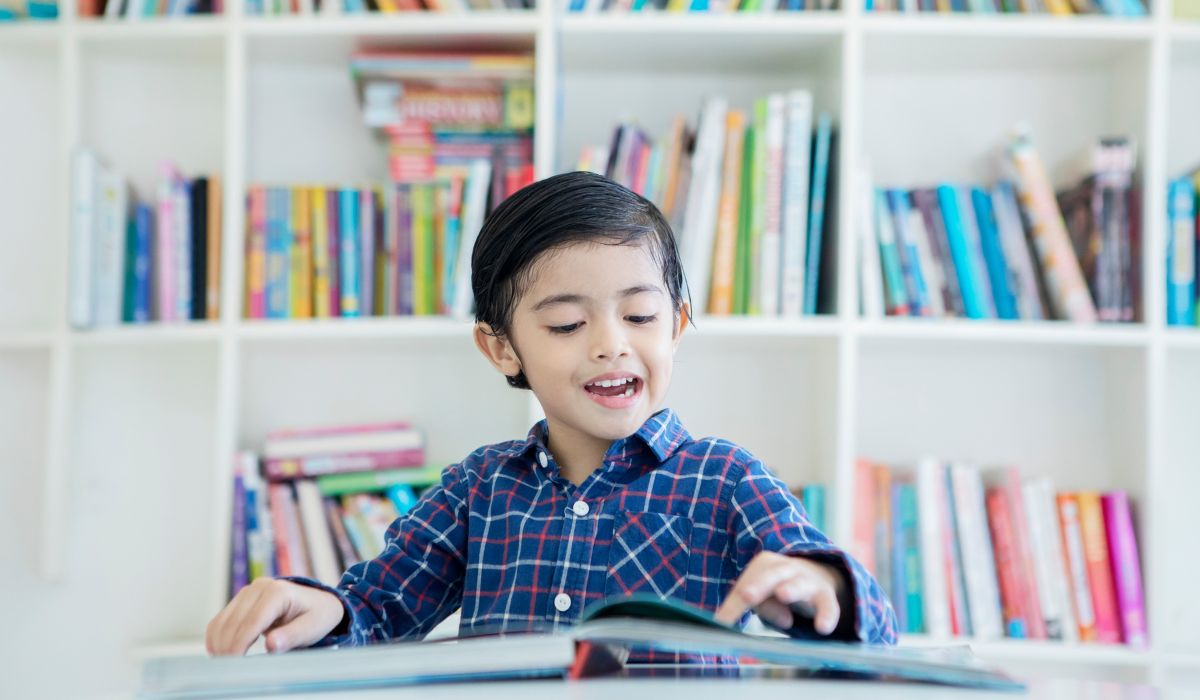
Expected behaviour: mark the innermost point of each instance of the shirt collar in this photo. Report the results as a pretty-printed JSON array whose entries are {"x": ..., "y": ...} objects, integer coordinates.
[{"x": 662, "y": 432}]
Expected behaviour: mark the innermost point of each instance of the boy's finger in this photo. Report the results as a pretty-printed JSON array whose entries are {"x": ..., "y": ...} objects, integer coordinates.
[
  {"x": 269, "y": 607},
  {"x": 824, "y": 600},
  {"x": 752, "y": 588},
  {"x": 300, "y": 632},
  {"x": 775, "y": 613},
  {"x": 231, "y": 616},
  {"x": 795, "y": 589}
]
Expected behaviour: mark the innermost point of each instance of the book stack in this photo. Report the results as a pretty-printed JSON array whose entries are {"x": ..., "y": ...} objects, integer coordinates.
[
  {"x": 750, "y": 195},
  {"x": 692, "y": 6},
  {"x": 11, "y": 10},
  {"x": 138, "y": 9},
  {"x": 812, "y": 497},
  {"x": 385, "y": 7},
  {"x": 1005, "y": 251},
  {"x": 1062, "y": 8},
  {"x": 404, "y": 249},
  {"x": 1183, "y": 228},
  {"x": 441, "y": 113},
  {"x": 985, "y": 553},
  {"x": 317, "y": 501},
  {"x": 134, "y": 262}
]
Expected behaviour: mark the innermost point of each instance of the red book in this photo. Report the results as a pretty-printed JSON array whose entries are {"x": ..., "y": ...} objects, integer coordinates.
[
  {"x": 1007, "y": 563},
  {"x": 1035, "y": 622},
  {"x": 1099, "y": 570},
  {"x": 862, "y": 546}
]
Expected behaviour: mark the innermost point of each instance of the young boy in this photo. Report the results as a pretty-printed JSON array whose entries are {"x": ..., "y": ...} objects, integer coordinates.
[{"x": 579, "y": 297}]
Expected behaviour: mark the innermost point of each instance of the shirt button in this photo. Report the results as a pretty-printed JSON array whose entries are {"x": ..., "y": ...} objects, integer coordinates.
[
  {"x": 562, "y": 602},
  {"x": 581, "y": 508},
  {"x": 542, "y": 458}
]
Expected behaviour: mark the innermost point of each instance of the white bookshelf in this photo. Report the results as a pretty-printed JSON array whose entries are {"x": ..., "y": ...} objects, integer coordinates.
[{"x": 118, "y": 441}]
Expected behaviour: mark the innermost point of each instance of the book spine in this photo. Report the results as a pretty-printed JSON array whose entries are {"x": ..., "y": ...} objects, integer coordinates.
[
  {"x": 366, "y": 292},
  {"x": 897, "y": 300},
  {"x": 1126, "y": 569},
  {"x": 300, "y": 255},
  {"x": 320, "y": 252},
  {"x": 822, "y": 152},
  {"x": 795, "y": 197},
  {"x": 1045, "y": 540},
  {"x": 349, "y": 233},
  {"x": 239, "y": 569},
  {"x": 926, "y": 201},
  {"x": 109, "y": 248},
  {"x": 212, "y": 286},
  {"x": 321, "y": 550},
  {"x": 1007, "y": 564},
  {"x": 883, "y": 528},
  {"x": 862, "y": 545},
  {"x": 144, "y": 302},
  {"x": 814, "y": 505},
  {"x": 1099, "y": 571},
  {"x": 292, "y": 467},
  {"x": 278, "y": 495},
  {"x": 1181, "y": 254},
  {"x": 704, "y": 192},
  {"x": 182, "y": 210},
  {"x": 199, "y": 250},
  {"x": 898, "y": 586},
  {"x": 956, "y": 577},
  {"x": 930, "y": 270},
  {"x": 931, "y": 495},
  {"x": 347, "y": 557},
  {"x": 406, "y": 286},
  {"x": 164, "y": 248},
  {"x": 256, "y": 254},
  {"x": 276, "y": 257},
  {"x": 956, "y": 237},
  {"x": 1016, "y": 252},
  {"x": 742, "y": 257},
  {"x": 910, "y": 268},
  {"x": 975, "y": 257},
  {"x": 993, "y": 255},
  {"x": 770, "y": 259},
  {"x": 977, "y": 554},
  {"x": 725, "y": 251},
  {"x": 1076, "y": 566},
  {"x": 757, "y": 207},
  {"x": 914, "y": 593}
]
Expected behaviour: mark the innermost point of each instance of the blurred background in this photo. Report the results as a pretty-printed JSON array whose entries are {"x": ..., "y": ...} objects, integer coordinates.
[{"x": 943, "y": 251}]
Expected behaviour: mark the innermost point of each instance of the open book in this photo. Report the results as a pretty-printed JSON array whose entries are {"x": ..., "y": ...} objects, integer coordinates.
[{"x": 609, "y": 630}]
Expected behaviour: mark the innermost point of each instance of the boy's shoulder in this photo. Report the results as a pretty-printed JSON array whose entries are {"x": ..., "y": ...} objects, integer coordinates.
[{"x": 717, "y": 451}]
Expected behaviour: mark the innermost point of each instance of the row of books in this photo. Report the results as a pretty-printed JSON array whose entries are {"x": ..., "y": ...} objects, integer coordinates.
[
  {"x": 1062, "y": 8},
  {"x": 137, "y": 9},
  {"x": 11, "y": 10},
  {"x": 135, "y": 262},
  {"x": 692, "y": 6},
  {"x": 984, "y": 553},
  {"x": 387, "y": 7},
  {"x": 1007, "y": 251},
  {"x": 316, "y": 252},
  {"x": 1183, "y": 228},
  {"x": 749, "y": 194},
  {"x": 317, "y": 501},
  {"x": 439, "y": 112}
]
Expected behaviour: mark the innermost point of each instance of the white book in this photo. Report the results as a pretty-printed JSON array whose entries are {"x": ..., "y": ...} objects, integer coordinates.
[
  {"x": 109, "y": 272},
  {"x": 931, "y": 491},
  {"x": 85, "y": 176},
  {"x": 331, "y": 7},
  {"x": 795, "y": 199},
  {"x": 1054, "y": 596},
  {"x": 871, "y": 297},
  {"x": 704, "y": 191},
  {"x": 321, "y": 553},
  {"x": 113, "y": 9},
  {"x": 260, "y": 542},
  {"x": 771, "y": 261},
  {"x": 307, "y": 7},
  {"x": 975, "y": 544},
  {"x": 474, "y": 209},
  {"x": 345, "y": 443},
  {"x": 930, "y": 271},
  {"x": 183, "y": 249}
]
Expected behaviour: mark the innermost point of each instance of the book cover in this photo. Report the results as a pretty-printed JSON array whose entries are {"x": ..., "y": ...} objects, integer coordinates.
[
  {"x": 822, "y": 151},
  {"x": 1076, "y": 566},
  {"x": 724, "y": 253},
  {"x": 348, "y": 232},
  {"x": 796, "y": 174},
  {"x": 931, "y": 496},
  {"x": 198, "y": 189},
  {"x": 1099, "y": 567},
  {"x": 1126, "y": 568}
]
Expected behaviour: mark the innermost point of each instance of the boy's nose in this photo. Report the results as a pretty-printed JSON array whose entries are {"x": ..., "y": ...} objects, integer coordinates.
[{"x": 608, "y": 341}]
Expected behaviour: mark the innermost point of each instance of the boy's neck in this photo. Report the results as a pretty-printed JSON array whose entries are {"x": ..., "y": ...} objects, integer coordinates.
[{"x": 577, "y": 454}]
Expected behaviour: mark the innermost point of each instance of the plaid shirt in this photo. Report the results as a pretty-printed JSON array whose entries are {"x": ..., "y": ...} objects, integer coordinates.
[{"x": 518, "y": 547}]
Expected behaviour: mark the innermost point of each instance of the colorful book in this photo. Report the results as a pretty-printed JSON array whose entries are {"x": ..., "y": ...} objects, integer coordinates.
[
  {"x": 1181, "y": 253},
  {"x": 822, "y": 150},
  {"x": 348, "y": 231},
  {"x": 796, "y": 216},
  {"x": 1099, "y": 567},
  {"x": 1077, "y": 566},
  {"x": 1126, "y": 568},
  {"x": 724, "y": 253}
]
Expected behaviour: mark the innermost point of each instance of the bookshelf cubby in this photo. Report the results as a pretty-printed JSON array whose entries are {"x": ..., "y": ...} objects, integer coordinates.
[{"x": 120, "y": 440}]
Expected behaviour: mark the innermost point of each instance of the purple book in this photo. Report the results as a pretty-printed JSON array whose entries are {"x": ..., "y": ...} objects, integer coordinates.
[
  {"x": 366, "y": 275},
  {"x": 239, "y": 568},
  {"x": 404, "y": 261},
  {"x": 334, "y": 227},
  {"x": 1126, "y": 571}
]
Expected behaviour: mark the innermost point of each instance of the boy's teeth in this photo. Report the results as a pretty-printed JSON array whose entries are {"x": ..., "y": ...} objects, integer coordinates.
[{"x": 629, "y": 392}]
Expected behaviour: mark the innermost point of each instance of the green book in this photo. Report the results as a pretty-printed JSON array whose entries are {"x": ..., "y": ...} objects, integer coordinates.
[
  {"x": 758, "y": 194},
  {"x": 741, "y": 271},
  {"x": 361, "y": 482},
  {"x": 813, "y": 499}
]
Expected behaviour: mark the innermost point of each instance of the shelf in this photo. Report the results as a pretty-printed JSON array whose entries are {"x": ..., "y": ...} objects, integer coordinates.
[
  {"x": 789, "y": 23},
  {"x": 1016, "y": 332},
  {"x": 1183, "y": 338},
  {"x": 1007, "y": 26},
  {"x": 1041, "y": 651},
  {"x": 153, "y": 333},
  {"x": 1185, "y": 31},
  {"x": 420, "y": 25},
  {"x": 152, "y": 28},
  {"x": 1182, "y": 660},
  {"x": 28, "y": 32},
  {"x": 25, "y": 340},
  {"x": 764, "y": 327},
  {"x": 376, "y": 328}
]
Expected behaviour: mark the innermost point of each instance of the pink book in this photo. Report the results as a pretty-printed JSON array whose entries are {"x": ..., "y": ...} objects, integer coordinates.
[
  {"x": 863, "y": 543},
  {"x": 164, "y": 243},
  {"x": 317, "y": 465},
  {"x": 1026, "y": 571},
  {"x": 1126, "y": 571},
  {"x": 277, "y": 494},
  {"x": 333, "y": 224},
  {"x": 256, "y": 255},
  {"x": 1099, "y": 569}
]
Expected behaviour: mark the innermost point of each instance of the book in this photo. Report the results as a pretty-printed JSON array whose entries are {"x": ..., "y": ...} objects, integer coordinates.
[
  {"x": 1099, "y": 569},
  {"x": 1126, "y": 569},
  {"x": 817, "y": 219},
  {"x": 599, "y": 645}
]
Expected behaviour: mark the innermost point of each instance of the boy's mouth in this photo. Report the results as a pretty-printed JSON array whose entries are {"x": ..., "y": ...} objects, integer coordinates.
[{"x": 614, "y": 391}]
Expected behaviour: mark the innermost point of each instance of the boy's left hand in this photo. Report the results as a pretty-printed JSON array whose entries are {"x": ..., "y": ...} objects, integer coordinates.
[{"x": 772, "y": 582}]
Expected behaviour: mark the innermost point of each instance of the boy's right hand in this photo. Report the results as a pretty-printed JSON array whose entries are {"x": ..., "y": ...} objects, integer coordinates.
[{"x": 289, "y": 614}]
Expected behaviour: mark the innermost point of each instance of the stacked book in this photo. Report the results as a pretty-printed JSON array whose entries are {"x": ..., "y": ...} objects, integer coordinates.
[
  {"x": 1015, "y": 250},
  {"x": 11, "y": 10},
  {"x": 985, "y": 553},
  {"x": 443, "y": 112},
  {"x": 138, "y": 9},
  {"x": 385, "y": 7},
  {"x": 750, "y": 195},
  {"x": 1062, "y": 8},
  {"x": 1183, "y": 229},
  {"x": 135, "y": 262},
  {"x": 692, "y": 6},
  {"x": 317, "y": 501}
]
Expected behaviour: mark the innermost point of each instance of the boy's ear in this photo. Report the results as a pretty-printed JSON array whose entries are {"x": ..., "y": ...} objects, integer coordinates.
[
  {"x": 684, "y": 317},
  {"x": 498, "y": 350}
]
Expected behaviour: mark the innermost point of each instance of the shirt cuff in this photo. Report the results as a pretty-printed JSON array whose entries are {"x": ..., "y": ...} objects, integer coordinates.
[
  {"x": 339, "y": 636},
  {"x": 854, "y": 602}
]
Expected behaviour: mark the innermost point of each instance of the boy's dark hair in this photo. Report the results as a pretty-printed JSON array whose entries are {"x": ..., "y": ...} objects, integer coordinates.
[{"x": 552, "y": 214}]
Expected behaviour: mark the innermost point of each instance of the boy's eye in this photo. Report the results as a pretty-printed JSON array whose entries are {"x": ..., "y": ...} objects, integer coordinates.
[
  {"x": 570, "y": 327},
  {"x": 641, "y": 319}
]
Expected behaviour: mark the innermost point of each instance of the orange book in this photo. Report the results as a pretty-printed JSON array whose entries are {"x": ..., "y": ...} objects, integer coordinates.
[
  {"x": 720, "y": 302},
  {"x": 212, "y": 287},
  {"x": 256, "y": 255},
  {"x": 1008, "y": 565},
  {"x": 1075, "y": 565},
  {"x": 671, "y": 165},
  {"x": 862, "y": 546},
  {"x": 1099, "y": 569}
]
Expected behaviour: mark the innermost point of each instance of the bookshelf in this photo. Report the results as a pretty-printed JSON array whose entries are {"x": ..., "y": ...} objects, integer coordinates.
[{"x": 120, "y": 440}]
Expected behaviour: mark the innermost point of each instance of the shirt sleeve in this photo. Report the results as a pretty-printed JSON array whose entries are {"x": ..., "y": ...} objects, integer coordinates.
[
  {"x": 416, "y": 582},
  {"x": 766, "y": 517}
]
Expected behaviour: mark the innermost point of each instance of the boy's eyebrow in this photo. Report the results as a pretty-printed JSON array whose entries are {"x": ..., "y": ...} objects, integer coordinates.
[{"x": 579, "y": 298}]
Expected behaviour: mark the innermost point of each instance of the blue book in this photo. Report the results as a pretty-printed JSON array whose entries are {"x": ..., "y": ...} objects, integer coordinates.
[
  {"x": 143, "y": 220},
  {"x": 970, "y": 227},
  {"x": 910, "y": 562},
  {"x": 577, "y": 5},
  {"x": 1181, "y": 253},
  {"x": 402, "y": 496},
  {"x": 889, "y": 258},
  {"x": 973, "y": 305},
  {"x": 961, "y": 606},
  {"x": 278, "y": 246},
  {"x": 813, "y": 499},
  {"x": 348, "y": 208},
  {"x": 816, "y": 211},
  {"x": 993, "y": 255},
  {"x": 910, "y": 260}
]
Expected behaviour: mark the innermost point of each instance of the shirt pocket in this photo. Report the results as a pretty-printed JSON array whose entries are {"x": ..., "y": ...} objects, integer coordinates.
[{"x": 650, "y": 553}]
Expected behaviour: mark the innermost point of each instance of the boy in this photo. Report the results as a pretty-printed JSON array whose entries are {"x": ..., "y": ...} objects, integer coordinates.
[{"x": 579, "y": 297}]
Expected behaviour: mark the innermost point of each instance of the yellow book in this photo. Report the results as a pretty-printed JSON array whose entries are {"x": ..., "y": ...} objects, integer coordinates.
[
  {"x": 720, "y": 302},
  {"x": 300, "y": 274},
  {"x": 678, "y": 5},
  {"x": 320, "y": 256},
  {"x": 212, "y": 287},
  {"x": 388, "y": 7},
  {"x": 671, "y": 165},
  {"x": 420, "y": 223},
  {"x": 944, "y": 6},
  {"x": 1059, "y": 7},
  {"x": 441, "y": 197},
  {"x": 518, "y": 105}
]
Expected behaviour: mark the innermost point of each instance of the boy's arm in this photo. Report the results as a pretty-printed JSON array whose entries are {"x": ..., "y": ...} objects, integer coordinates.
[
  {"x": 766, "y": 517},
  {"x": 416, "y": 582}
]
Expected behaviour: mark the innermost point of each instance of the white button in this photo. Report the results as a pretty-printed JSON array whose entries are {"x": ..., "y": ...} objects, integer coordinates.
[
  {"x": 562, "y": 601},
  {"x": 542, "y": 458},
  {"x": 581, "y": 508}
]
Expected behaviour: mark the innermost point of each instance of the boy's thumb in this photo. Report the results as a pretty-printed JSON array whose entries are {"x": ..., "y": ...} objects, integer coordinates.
[{"x": 300, "y": 632}]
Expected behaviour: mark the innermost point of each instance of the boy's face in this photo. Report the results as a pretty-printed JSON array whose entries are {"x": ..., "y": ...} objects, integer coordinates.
[{"x": 593, "y": 314}]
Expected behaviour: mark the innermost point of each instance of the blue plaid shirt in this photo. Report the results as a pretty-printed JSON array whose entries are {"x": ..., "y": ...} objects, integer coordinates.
[{"x": 518, "y": 547}]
